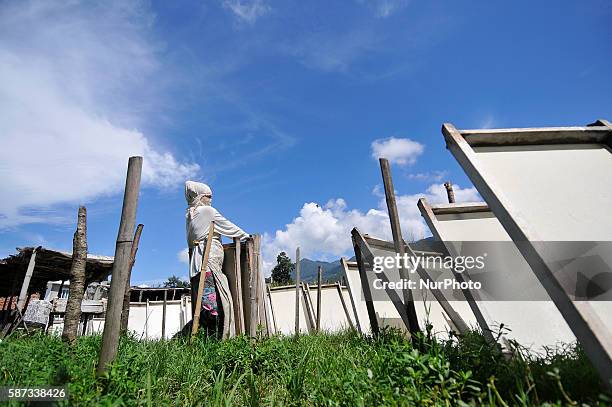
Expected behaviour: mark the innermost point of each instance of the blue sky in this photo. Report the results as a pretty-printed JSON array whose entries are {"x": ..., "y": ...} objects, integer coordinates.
[{"x": 279, "y": 106}]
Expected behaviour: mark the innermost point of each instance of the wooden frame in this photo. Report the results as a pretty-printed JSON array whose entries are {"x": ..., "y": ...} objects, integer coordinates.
[
  {"x": 456, "y": 319},
  {"x": 346, "y": 267},
  {"x": 432, "y": 222},
  {"x": 584, "y": 322}
]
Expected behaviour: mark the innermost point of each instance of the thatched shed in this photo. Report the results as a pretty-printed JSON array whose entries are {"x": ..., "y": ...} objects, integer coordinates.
[{"x": 49, "y": 265}]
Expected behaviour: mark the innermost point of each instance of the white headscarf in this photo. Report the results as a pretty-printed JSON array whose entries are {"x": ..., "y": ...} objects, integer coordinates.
[{"x": 194, "y": 194}]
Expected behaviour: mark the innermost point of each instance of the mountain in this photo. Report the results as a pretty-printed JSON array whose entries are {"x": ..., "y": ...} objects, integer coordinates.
[{"x": 332, "y": 271}]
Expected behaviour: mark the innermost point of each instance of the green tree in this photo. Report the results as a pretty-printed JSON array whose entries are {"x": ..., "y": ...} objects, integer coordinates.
[
  {"x": 281, "y": 273},
  {"x": 176, "y": 282}
]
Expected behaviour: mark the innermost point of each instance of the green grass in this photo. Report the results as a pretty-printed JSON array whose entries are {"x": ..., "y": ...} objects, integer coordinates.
[{"x": 325, "y": 369}]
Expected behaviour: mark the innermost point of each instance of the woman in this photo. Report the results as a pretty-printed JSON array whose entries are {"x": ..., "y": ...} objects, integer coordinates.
[{"x": 217, "y": 314}]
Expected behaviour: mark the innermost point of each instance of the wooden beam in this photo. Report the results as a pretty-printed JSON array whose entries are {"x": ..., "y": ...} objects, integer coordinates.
[
  {"x": 319, "y": 277},
  {"x": 198, "y": 307},
  {"x": 345, "y": 267},
  {"x": 271, "y": 308},
  {"x": 536, "y": 136},
  {"x": 26, "y": 280},
  {"x": 112, "y": 322},
  {"x": 125, "y": 311},
  {"x": 457, "y": 208},
  {"x": 163, "y": 335},
  {"x": 297, "y": 291},
  {"x": 398, "y": 241},
  {"x": 580, "y": 316},
  {"x": 365, "y": 284},
  {"x": 344, "y": 307},
  {"x": 308, "y": 307}
]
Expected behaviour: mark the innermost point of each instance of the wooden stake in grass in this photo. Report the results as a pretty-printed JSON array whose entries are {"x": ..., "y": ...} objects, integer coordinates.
[
  {"x": 77, "y": 279},
  {"x": 319, "y": 278},
  {"x": 198, "y": 308},
  {"x": 112, "y": 322},
  {"x": 125, "y": 313},
  {"x": 398, "y": 242},
  {"x": 297, "y": 291}
]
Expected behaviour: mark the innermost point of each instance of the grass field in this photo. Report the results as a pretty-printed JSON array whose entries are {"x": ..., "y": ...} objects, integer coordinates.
[{"x": 325, "y": 369}]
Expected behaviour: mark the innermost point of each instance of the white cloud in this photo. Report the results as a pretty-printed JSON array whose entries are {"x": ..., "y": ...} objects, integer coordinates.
[
  {"x": 74, "y": 81},
  {"x": 247, "y": 11},
  {"x": 400, "y": 151},
  {"x": 183, "y": 256},
  {"x": 429, "y": 176},
  {"x": 487, "y": 123},
  {"x": 323, "y": 232}
]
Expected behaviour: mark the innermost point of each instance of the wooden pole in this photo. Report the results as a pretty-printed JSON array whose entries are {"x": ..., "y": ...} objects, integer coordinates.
[
  {"x": 271, "y": 308},
  {"x": 449, "y": 192},
  {"x": 398, "y": 242},
  {"x": 308, "y": 306},
  {"x": 26, "y": 280},
  {"x": 198, "y": 308},
  {"x": 112, "y": 322},
  {"x": 147, "y": 320},
  {"x": 319, "y": 277},
  {"x": 77, "y": 279},
  {"x": 164, "y": 314},
  {"x": 125, "y": 312},
  {"x": 297, "y": 291},
  {"x": 346, "y": 311},
  {"x": 238, "y": 306},
  {"x": 252, "y": 290},
  {"x": 365, "y": 285}
]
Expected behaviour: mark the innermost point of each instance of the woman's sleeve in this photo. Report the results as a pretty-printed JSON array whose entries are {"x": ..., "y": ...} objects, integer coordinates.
[{"x": 227, "y": 228}]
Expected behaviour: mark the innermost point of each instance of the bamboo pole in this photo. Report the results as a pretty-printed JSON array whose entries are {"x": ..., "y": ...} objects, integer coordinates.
[
  {"x": 319, "y": 277},
  {"x": 125, "y": 312},
  {"x": 398, "y": 242},
  {"x": 198, "y": 308},
  {"x": 297, "y": 291},
  {"x": 112, "y": 322}
]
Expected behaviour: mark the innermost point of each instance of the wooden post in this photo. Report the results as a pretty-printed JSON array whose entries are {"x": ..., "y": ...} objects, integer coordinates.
[
  {"x": 308, "y": 306},
  {"x": 164, "y": 314},
  {"x": 112, "y": 322},
  {"x": 365, "y": 285},
  {"x": 26, "y": 280},
  {"x": 252, "y": 290},
  {"x": 297, "y": 291},
  {"x": 449, "y": 192},
  {"x": 125, "y": 312},
  {"x": 271, "y": 308},
  {"x": 398, "y": 242},
  {"x": 147, "y": 320},
  {"x": 198, "y": 307},
  {"x": 238, "y": 306},
  {"x": 346, "y": 311},
  {"x": 77, "y": 279},
  {"x": 319, "y": 277}
]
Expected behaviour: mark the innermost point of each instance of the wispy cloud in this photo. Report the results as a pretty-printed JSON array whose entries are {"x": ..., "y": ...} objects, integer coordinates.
[
  {"x": 70, "y": 76},
  {"x": 487, "y": 123},
  {"x": 399, "y": 151},
  {"x": 247, "y": 11},
  {"x": 385, "y": 8},
  {"x": 429, "y": 176}
]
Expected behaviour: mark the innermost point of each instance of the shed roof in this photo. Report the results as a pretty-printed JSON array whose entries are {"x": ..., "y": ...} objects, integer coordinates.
[{"x": 50, "y": 265}]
